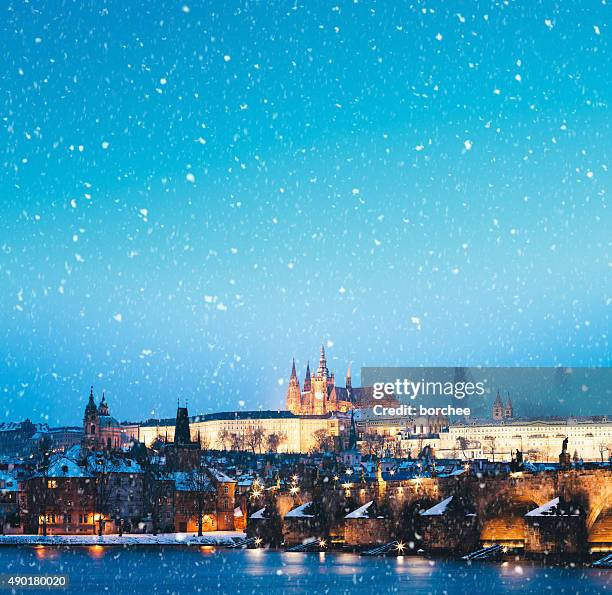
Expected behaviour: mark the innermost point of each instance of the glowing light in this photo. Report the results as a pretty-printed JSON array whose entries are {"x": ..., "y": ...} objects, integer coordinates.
[
  {"x": 96, "y": 551},
  {"x": 322, "y": 542},
  {"x": 400, "y": 547},
  {"x": 258, "y": 541}
]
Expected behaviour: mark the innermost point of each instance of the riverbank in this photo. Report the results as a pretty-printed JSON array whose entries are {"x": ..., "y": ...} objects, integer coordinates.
[{"x": 220, "y": 538}]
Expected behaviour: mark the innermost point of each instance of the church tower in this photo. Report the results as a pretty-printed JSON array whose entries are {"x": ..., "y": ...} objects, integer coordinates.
[
  {"x": 103, "y": 406},
  {"x": 508, "y": 410},
  {"x": 319, "y": 385},
  {"x": 293, "y": 400},
  {"x": 183, "y": 454},
  {"x": 349, "y": 381},
  {"x": 498, "y": 408},
  {"x": 91, "y": 424}
]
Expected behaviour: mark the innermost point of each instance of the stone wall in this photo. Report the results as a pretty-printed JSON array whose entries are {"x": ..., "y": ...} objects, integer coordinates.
[{"x": 360, "y": 533}]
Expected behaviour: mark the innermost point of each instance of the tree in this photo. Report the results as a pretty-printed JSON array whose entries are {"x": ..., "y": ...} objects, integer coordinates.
[
  {"x": 236, "y": 442},
  {"x": 463, "y": 445},
  {"x": 101, "y": 466},
  {"x": 204, "y": 441},
  {"x": 254, "y": 437},
  {"x": 198, "y": 483},
  {"x": 274, "y": 440},
  {"x": 153, "y": 490},
  {"x": 491, "y": 442},
  {"x": 323, "y": 442},
  {"x": 224, "y": 438}
]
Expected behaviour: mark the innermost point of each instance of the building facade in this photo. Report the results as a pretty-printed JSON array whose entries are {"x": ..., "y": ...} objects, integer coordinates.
[
  {"x": 258, "y": 431},
  {"x": 540, "y": 440}
]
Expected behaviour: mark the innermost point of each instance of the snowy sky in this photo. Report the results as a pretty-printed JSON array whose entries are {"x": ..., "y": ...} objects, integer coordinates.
[{"x": 192, "y": 194}]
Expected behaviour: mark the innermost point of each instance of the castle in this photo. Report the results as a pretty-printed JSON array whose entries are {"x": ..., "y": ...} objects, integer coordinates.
[
  {"x": 501, "y": 411},
  {"x": 319, "y": 395}
]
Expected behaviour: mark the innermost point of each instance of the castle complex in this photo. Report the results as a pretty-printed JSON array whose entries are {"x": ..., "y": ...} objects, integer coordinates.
[{"x": 319, "y": 395}]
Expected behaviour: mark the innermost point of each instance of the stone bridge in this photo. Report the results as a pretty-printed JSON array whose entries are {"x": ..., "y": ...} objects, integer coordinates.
[{"x": 500, "y": 504}]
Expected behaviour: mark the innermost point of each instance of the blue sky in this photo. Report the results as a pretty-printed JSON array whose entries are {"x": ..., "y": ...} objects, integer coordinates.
[{"x": 193, "y": 194}]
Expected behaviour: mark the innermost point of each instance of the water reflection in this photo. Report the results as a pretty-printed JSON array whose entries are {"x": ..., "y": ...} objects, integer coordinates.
[
  {"x": 96, "y": 551},
  {"x": 150, "y": 570}
]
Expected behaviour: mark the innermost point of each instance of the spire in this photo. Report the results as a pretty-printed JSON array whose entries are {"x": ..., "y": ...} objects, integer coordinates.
[
  {"x": 349, "y": 381},
  {"x": 322, "y": 371},
  {"x": 91, "y": 404},
  {"x": 307, "y": 385},
  {"x": 103, "y": 407},
  {"x": 498, "y": 408},
  {"x": 293, "y": 372}
]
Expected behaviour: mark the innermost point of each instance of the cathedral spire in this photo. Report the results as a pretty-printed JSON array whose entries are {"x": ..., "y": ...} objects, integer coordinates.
[
  {"x": 293, "y": 372},
  {"x": 322, "y": 371},
  {"x": 349, "y": 381},
  {"x": 307, "y": 385}
]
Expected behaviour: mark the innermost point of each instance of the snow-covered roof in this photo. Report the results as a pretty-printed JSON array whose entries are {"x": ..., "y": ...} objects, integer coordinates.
[
  {"x": 549, "y": 509},
  {"x": 106, "y": 464},
  {"x": 64, "y": 467},
  {"x": 361, "y": 512},
  {"x": 300, "y": 512},
  {"x": 438, "y": 509},
  {"x": 192, "y": 482},
  {"x": 238, "y": 512},
  {"x": 74, "y": 452},
  {"x": 220, "y": 476},
  {"x": 259, "y": 514}
]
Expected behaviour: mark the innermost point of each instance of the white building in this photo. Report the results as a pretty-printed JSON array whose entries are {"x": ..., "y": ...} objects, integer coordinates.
[
  {"x": 589, "y": 439},
  {"x": 236, "y": 430}
]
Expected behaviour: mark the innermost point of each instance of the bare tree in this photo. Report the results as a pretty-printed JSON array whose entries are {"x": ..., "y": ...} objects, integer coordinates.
[
  {"x": 323, "y": 442},
  {"x": 224, "y": 438},
  {"x": 492, "y": 447},
  {"x": 199, "y": 483},
  {"x": 237, "y": 442},
  {"x": 153, "y": 490},
  {"x": 254, "y": 437},
  {"x": 274, "y": 440},
  {"x": 101, "y": 466}
]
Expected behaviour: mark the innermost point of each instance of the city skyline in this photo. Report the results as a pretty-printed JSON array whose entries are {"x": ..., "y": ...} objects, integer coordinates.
[{"x": 193, "y": 195}]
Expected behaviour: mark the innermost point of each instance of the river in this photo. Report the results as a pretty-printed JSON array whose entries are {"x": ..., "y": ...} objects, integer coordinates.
[{"x": 157, "y": 570}]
